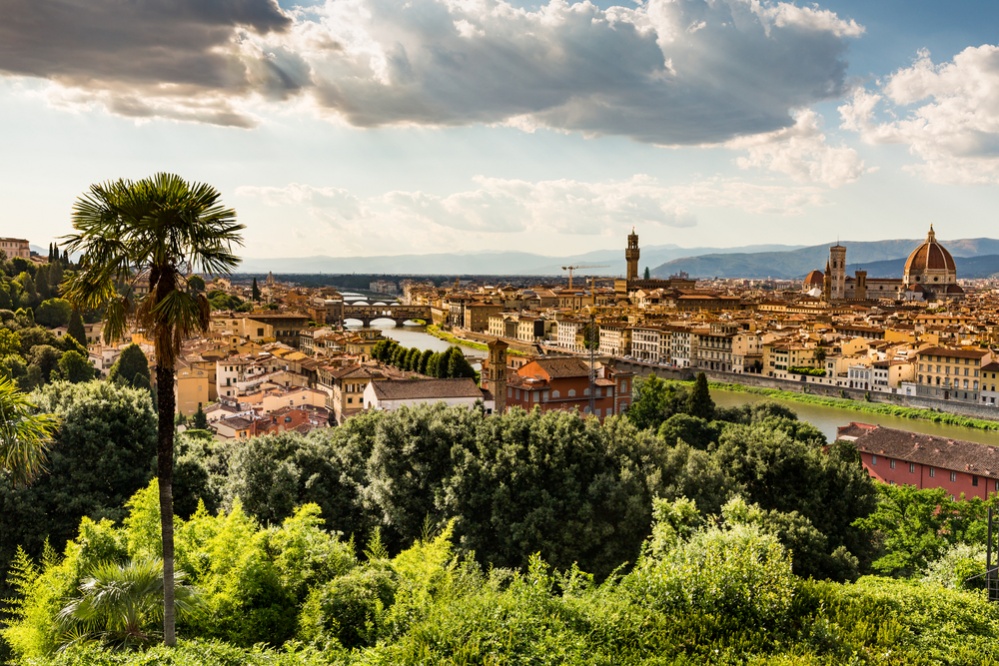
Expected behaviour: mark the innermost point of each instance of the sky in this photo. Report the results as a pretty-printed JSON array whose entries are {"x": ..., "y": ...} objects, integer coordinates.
[{"x": 354, "y": 128}]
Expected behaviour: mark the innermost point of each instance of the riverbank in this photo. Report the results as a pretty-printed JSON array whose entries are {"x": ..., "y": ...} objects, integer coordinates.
[
  {"x": 435, "y": 330},
  {"x": 861, "y": 406}
]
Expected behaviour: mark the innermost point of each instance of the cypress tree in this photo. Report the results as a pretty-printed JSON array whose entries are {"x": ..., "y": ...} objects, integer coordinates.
[
  {"x": 199, "y": 420},
  {"x": 76, "y": 329},
  {"x": 699, "y": 402},
  {"x": 255, "y": 291}
]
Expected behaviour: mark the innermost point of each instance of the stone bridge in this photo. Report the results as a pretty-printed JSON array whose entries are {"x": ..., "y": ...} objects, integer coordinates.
[{"x": 397, "y": 313}]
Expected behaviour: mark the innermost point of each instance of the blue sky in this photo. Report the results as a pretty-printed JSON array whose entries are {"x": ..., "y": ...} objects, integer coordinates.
[{"x": 368, "y": 127}]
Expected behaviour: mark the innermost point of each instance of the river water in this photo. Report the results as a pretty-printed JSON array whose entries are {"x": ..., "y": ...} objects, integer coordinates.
[{"x": 827, "y": 419}]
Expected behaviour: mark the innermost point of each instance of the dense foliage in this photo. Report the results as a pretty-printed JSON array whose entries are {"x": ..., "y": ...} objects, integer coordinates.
[
  {"x": 441, "y": 535},
  {"x": 703, "y": 590},
  {"x": 102, "y": 452}
]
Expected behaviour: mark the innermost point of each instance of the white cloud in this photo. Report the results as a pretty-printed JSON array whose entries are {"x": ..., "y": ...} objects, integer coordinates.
[
  {"x": 801, "y": 152},
  {"x": 414, "y": 221},
  {"x": 666, "y": 72},
  {"x": 947, "y": 114}
]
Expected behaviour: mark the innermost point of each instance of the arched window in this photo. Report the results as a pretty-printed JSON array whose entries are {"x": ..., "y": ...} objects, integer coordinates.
[
  {"x": 555, "y": 394},
  {"x": 572, "y": 393}
]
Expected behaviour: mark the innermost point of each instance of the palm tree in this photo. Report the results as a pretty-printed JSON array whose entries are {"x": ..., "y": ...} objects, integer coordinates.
[
  {"x": 141, "y": 242},
  {"x": 24, "y": 435},
  {"x": 119, "y": 604}
]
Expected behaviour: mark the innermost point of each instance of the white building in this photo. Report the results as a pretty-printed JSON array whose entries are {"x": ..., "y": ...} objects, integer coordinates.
[{"x": 392, "y": 394}]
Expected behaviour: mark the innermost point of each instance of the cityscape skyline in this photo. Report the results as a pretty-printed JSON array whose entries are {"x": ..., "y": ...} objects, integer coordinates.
[{"x": 366, "y": 128}]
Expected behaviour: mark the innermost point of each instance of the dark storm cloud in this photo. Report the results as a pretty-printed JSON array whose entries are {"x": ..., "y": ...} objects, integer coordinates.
[{"x": 109, "y": 43}]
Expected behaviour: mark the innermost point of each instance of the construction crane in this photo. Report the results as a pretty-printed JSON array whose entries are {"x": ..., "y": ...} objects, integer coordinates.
[{"x": 577, "y": 266}]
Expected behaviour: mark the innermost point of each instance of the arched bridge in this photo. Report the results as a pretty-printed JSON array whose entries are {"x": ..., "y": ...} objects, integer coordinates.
[{"x": 397, "y": 313}]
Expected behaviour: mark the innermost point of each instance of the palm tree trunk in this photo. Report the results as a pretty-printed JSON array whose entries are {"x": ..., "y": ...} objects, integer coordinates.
[{"x": 164, "y": 471}]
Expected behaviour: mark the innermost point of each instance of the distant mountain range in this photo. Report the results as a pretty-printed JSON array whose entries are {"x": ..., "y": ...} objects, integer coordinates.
[
  {"x": 975, "y": 257},
  {"x": 609, "y": 262}
]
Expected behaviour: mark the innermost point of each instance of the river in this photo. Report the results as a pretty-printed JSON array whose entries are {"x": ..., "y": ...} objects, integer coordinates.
[{"x": 827, "y": 419}]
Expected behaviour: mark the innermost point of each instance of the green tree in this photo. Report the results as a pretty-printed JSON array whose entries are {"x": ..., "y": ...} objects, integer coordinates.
[
  {"x": 648, "y": 275},
  {"x": 655, "y": 401},
  {"x": 197, "y": 283},
  {"x": 693, "y": 430},
  {"x": 458, "y": 365},
  {"x": 53, "y": 313},
  {"x": 549, "y": 483},
  {"x": 255, "y": 291},
  {"x": 131, "y": 368},
  {"x": 45, "y": 359},
  {"x": 76, "y": 329},
  {"x": 42, "y": 282},
  {"x": 914, "y": 527},
  {"x": 699, "y": 402},
  {"x": 159, "y": 230},
  {"x": 10, "y": 342},
  {"x": 424, "y": 360},
  {"x": 269, "y": 476},
  {"x": 74, "y": 367},
  {"x": 199, "y": 420},
  {"x": 102, "y": 451}
]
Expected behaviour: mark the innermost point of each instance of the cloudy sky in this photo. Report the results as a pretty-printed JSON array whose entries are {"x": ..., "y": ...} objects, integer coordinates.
[{"x": 370, "y": 127}]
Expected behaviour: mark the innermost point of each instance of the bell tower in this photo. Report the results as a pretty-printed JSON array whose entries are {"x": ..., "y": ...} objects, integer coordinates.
[
  {"x": 631, "y": 255},
  {"x": 837, "y": 272},
  {"x": 494, "y": 374}
]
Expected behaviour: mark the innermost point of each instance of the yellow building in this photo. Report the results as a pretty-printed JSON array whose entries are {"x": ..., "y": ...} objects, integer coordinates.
[
  {"x": 193, "y": 387},
  {"x": 950, "y": 373}
]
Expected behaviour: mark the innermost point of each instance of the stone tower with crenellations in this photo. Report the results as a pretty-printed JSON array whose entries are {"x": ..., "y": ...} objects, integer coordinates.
[{"x": 631, "y": 255}]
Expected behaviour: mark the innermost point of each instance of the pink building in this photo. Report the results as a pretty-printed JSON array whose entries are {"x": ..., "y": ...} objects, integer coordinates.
[{"x": 901, "y": 457}]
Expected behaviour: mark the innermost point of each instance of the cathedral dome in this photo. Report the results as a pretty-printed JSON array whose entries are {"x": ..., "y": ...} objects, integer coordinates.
[
  {"x": 930, "y": 256},
  {"x": 814, "y": 279}
]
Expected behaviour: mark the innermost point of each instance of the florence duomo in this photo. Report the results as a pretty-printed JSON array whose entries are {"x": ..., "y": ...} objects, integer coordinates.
[{"x": 929, "y": 275}]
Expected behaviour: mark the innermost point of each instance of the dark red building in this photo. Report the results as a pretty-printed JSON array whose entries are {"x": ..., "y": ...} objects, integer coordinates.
[
  {"x": 563, "y": 383},
  {"x": 902, "y": 457}
]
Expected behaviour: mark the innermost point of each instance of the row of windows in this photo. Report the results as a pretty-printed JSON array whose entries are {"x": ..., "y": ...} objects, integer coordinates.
[
  {"x": 555, "y": 395},
  {"x": 912, "y": 470},
  {"x": 949, "y": 359}
]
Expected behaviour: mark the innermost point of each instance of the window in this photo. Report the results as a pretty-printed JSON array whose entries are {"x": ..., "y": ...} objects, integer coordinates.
[
  {"x": 933, "y": 472},
  {"x": 953, "y": 476},
  {"x": 891, "y": 463},
  {"x": 572, "y": 393},
  {"x": 974, "y": 481},
  {"x": 874, "y": 460},
  {"x": 912, "y": 468}
]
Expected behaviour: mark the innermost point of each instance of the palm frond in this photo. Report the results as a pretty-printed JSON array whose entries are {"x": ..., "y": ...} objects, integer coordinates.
[
  {"x": 24, "y": 435},
  {"x": 161, "y": 224}
]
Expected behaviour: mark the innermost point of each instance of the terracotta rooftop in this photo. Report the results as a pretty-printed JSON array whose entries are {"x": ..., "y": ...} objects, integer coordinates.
[
  {"x": 421, "y": 389},
  {"x": 949, "y": 454},
  {"x": 557, "y": 368},
  {"x": 953, "y": 353}
]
